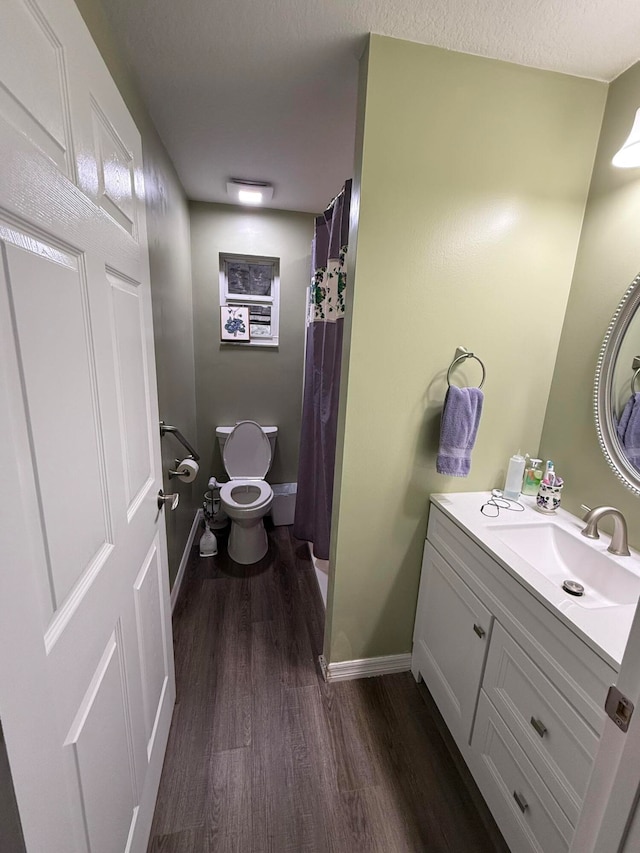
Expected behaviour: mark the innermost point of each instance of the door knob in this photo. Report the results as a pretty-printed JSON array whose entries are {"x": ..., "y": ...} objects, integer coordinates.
[{"x": 172, "y": 500}]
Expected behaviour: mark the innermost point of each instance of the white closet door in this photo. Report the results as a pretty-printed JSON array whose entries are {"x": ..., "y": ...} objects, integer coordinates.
[{"x": 86, "y": 665}]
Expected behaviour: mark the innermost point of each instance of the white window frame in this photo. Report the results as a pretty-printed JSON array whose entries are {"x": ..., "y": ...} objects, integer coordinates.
[{"x": 272, "y": 301}]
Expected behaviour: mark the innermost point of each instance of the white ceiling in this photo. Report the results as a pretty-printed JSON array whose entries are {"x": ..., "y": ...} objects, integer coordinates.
[{"x": 266, "y": 89}]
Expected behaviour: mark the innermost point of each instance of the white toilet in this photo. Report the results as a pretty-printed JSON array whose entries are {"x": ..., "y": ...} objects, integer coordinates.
[{"x": 247, "y": 451}]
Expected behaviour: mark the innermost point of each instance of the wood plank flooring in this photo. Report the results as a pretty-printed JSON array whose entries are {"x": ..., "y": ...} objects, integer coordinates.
[{"x": 265, "y": 757}]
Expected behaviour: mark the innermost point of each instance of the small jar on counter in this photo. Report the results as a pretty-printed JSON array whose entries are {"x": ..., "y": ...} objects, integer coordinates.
[
  {"x": 532, "y": 477},
  {"x": 549, "y": 497}
]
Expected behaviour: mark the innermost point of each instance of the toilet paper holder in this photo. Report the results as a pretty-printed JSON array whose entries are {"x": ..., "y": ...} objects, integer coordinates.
[{"x": 177, "y": 472}]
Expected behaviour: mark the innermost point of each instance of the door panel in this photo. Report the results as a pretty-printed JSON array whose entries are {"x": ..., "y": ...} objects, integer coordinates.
[
  {"x": 101, "y": 742},
  {"x": 150, "y": 607},
  {"x": 133, "y": 392},
  {"x": 40, "y": 111},
  {"x": 45, "y": 283},
  {"x": 86, "y": 665},
  {"x": 115, "y": 166}
]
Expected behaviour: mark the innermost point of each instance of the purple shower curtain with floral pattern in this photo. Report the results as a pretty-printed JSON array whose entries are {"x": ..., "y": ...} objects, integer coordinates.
[{"x": 322, "y": 375}]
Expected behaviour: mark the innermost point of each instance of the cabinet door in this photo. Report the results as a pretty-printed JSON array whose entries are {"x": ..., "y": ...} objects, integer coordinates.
[{"x": 450, "y": 643}]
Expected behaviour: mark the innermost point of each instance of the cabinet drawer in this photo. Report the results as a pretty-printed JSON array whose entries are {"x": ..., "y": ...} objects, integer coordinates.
[
  {"x": 527, "y": 814},
  {"x": 560, "y": 744},
  {"x": 452, "y": 633}
]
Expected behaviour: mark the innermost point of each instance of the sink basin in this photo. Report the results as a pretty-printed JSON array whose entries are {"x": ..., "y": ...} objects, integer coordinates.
[{"x": 560, "y": 555}]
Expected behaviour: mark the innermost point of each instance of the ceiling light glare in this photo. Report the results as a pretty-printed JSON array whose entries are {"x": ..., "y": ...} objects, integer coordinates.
[
  {"x": 249, "y": 192},
  {"x": 250, "y": 197}
]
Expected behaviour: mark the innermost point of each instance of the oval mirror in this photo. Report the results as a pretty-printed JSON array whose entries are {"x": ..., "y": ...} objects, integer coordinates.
[{"x": 617, "y": 390}]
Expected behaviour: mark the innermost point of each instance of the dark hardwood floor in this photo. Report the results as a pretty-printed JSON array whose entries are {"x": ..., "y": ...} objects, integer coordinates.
[{"x": 265, "y": 757}]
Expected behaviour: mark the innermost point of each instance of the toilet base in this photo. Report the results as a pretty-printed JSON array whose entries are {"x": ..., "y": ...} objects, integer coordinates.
[{"x": 247, "y": 544}]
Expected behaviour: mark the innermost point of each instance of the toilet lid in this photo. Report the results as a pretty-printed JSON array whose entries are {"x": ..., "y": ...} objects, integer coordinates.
[{"x": 247, "y": 452}]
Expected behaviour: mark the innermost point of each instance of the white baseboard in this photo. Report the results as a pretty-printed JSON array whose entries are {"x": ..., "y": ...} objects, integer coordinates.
[
  {"x": 367, "y": 667},
  {"x": 175, "y": 589}
]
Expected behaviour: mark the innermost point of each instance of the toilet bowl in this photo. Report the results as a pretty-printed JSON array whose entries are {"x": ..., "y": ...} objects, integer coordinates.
[{"x": 247, "y": 497}]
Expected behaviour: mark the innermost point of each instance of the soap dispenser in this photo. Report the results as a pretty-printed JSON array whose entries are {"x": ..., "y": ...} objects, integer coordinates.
[
  {"x": 532, "y": 477},
  {"x": 515, "y": 472}
]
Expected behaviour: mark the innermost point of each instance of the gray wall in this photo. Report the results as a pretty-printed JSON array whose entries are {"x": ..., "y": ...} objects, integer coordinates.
[
  {"x": 259, "y": 383},
  {"x": 608, "y": 260},
  {"x": 170, "y": 261},
  {"x": 11, "y": 838}
]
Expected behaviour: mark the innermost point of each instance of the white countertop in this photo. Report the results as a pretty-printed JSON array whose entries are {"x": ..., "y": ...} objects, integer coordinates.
[{"x": 604, "y": 629}]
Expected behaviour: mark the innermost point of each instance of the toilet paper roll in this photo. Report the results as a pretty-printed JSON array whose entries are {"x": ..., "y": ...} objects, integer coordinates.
[{"x": 188, "y": 470}]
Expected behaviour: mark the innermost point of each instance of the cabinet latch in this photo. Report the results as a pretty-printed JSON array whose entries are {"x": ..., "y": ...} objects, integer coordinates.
[{"x": 619, "y": 708}]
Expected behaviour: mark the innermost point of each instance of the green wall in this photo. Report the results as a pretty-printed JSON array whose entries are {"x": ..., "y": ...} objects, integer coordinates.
[
  {"x": 471, "y": 188},
  {"x": 608, "y": 260},
  {"x": 257, "y": 383},
  {"x": 170, "y": 269}
]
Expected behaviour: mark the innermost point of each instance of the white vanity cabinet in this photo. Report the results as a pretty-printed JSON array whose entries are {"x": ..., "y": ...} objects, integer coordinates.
[{"x": 522, "y": 694}]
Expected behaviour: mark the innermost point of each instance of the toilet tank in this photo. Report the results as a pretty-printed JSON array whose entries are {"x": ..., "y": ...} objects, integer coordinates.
[{"x": 223, "y": 432}]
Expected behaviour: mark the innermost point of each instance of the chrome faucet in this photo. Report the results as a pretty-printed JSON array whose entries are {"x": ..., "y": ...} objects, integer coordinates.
[{"x": 618, "y": 544}]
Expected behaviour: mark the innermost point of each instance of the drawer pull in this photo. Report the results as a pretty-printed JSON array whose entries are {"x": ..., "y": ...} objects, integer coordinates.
[
  {"x": 523, "y": 805},
  {"x": 539, "y": 727},
  {"x": 479, "y": 630}
]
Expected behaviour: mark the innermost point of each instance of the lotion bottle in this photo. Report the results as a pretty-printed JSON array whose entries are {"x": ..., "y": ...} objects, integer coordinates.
[{"x": 515, "y": 472}]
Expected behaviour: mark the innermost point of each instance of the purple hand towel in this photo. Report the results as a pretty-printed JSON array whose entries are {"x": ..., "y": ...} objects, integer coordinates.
[
  {"x": 621, "y": 426},
  {"x": 629, "y": 429},
  {"x": 458, "y": 430}
]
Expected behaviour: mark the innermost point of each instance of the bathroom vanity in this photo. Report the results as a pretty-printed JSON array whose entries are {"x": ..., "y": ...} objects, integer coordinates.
[{"x": 519, "y": 668}]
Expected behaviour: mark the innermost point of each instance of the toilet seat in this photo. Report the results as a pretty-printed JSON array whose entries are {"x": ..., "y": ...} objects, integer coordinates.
[{"x": 265, "y": 493}]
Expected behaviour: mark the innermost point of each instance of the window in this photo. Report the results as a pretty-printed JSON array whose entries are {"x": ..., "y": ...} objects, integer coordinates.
[{"x": 253, "y": 282}]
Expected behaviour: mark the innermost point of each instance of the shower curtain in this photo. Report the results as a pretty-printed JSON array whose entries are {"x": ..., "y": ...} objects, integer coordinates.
[{"x": 322, "y": 375}]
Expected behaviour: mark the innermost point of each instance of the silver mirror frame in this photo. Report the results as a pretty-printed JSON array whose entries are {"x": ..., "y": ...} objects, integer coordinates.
[{"x": 603, "y": 387}]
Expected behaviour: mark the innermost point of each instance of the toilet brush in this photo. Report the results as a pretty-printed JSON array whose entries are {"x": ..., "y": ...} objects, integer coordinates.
[{"x": 208, "y": 542}]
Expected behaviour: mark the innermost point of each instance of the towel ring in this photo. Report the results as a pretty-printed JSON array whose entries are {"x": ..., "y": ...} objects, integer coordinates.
[
  {"x": 484, "y": 372},
  {"x": 633, "y": 381}
]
